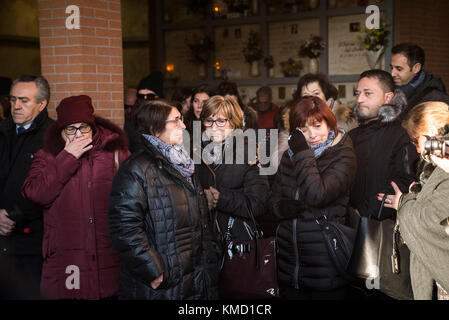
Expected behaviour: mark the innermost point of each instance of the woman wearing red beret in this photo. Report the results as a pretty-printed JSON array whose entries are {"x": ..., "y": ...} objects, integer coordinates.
[{"x": 71, "y": 177}]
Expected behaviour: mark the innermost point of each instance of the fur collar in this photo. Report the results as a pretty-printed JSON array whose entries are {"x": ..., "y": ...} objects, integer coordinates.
[
  {"x": 391, "y": 111},
  {"x": 108, "y": 137}
]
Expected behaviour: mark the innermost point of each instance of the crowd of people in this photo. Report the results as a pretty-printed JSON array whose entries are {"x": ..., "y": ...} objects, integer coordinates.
[{"x": 91, "y": 211}]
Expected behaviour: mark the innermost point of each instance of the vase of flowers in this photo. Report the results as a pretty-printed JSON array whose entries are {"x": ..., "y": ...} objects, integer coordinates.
[
  {"x": 374, "y": 41},
  {"x": 200, "y": 50},
  {"x": 252, "y": 52},
  {"x": 269, "y": 64},
  {"x": 312, "y": 49},
  {"x": 291, "y": 67}
]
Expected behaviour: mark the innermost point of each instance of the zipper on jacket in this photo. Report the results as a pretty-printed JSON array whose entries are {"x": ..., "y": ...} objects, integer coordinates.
[{"x": 295, "y": 249}]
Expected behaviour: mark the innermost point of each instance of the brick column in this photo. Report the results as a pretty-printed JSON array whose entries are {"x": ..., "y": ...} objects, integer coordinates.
[{"x": 87, "y": 60}]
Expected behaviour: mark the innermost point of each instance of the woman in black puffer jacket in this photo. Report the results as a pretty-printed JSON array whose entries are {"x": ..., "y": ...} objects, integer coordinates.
[
  {"x": 158, "y": 217},
  {"x": 231, "y": 180},
  {"x": 314, "y": 179}
]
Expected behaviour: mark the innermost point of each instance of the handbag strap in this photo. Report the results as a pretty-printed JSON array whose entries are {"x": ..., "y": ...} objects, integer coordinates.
[
  {"x": 116, "y": 160},
  {"x": 395, "y": 257},
  {"x": 381, "y": 206}
]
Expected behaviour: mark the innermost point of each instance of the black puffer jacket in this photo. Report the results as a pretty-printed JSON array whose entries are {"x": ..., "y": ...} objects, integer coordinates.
[
  {"x": 160, "y": 224},
  {"x": 241, "y": 188},
  {"x": 316, "y": 187}
]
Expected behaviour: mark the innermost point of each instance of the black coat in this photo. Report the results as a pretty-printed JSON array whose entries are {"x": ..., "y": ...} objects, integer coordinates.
[
  {"x": 384, "y": 153},
  {"x": 241, "y": 189},
  {"x": 315, "y": 186},
  {"x": 16, "y": 156},
  {"x": 159, "y": 224},
  {"x": 432, "y": 89}
]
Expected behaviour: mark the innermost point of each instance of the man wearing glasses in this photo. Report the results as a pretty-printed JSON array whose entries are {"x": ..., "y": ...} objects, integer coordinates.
[{"x": 21, "y": 225}]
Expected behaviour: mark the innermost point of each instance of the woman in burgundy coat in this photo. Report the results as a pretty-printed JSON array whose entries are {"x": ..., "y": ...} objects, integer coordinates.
[{"x": 71, "y": 177}]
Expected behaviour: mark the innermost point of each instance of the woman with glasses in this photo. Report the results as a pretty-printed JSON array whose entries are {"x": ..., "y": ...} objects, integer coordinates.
[
  {"x": 229, "y": 173},
  {"x": 158, "y": 216},
  {"x": 71, "y": 177}
]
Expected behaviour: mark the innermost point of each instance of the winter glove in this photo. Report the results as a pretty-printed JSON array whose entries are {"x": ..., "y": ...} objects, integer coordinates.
[{"x": 297, "y": 142}]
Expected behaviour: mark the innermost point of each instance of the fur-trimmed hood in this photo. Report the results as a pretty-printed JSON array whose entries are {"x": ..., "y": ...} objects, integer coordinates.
[
  {"x": 108, "y": 137},
  {"x": 390, "y": 112}
]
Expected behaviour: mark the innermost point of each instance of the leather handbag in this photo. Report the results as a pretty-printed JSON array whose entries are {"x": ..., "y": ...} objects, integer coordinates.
[
  {"x": 339, "y": 240},
  {"x": 249, "y": 270},
  {"x": 381, "y": 257}
]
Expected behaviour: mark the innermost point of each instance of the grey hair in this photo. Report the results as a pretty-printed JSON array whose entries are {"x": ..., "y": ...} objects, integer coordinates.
[{"x": 43, "y": 88}]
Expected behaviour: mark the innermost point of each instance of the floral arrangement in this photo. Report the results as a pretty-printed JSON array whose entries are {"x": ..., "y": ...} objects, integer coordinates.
[
  {"x": 312, "y": 48},
  {"x": 253, "y": 48},
  {"x": 200, "y": 49},
  {"x": 375, "y": 39},
  {"x": 268, "y": 62},
  {"x": 291, "y": 67}
]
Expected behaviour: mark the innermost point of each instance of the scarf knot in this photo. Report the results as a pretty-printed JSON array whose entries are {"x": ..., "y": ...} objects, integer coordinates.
[{"x": 175, "y": 154}]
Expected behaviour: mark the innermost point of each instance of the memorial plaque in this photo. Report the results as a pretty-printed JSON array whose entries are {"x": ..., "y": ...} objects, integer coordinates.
[
  {"x": 286, "y": 39},
  {"x": 178, "y": 54},
  {"x": 229, "y": 43},
  {"x": 346, "y": 51}
]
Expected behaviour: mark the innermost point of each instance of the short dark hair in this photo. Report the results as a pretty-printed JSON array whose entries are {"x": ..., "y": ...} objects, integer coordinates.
[
  {"x": 385, "y": 79},
  {"x": 150, "y": 115},
  {"x": 311, "y": 107},
  {"x": 43, "y": 88},
  {"x": 328, "y": 89},
  {"x": 264, "y": 91},
  {"x": 230, "y": 88},
  {"x": 414, "y": 53},
  {"x": 180, "y": 94}
]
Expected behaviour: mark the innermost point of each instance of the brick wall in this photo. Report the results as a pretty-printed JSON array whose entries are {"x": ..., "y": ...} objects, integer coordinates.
[
  {"x": 86, "y": 60},
  {"x": 425, "y": 23}
]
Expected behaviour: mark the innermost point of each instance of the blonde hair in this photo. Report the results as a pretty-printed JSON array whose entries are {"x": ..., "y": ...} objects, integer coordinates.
[
  {"x": 425, "y": 116},
  {"x": 228, "y": 106}
]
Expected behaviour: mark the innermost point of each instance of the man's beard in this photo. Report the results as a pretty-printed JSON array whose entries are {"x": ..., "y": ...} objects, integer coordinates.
[{"x": 364, "y": 117}]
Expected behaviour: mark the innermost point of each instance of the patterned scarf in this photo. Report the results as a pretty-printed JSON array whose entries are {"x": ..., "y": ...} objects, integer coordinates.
[
  {"x": 176, "y": 155},
  {"x": 410, "y": 87},
  {"x": 319, "y": 149}
]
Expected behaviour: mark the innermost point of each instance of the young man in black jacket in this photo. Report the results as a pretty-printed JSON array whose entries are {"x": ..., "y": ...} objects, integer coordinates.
[
  {"x": 407, "y": 63},
  {"x": 21, "y": 222},
  {"x": 384, "y": 150}
]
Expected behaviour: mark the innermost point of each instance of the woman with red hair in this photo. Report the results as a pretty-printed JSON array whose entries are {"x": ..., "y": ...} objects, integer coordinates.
[{"x": 313, "y": 180}]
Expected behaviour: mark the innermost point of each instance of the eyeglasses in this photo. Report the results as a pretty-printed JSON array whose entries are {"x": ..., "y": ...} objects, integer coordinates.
[
  {"x": 178, "y": 120},
  {"x": 71, "y": 130},
  {"x": 148, "y": 96},
  {"x": 218, "y": 122}
]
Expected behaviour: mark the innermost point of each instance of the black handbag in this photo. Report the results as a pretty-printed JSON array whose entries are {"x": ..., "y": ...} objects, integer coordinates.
[
  {"x": 249, "y": 269},
  {"x": 381, "y": 258},
  {"x": 339, "y": 239}
]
